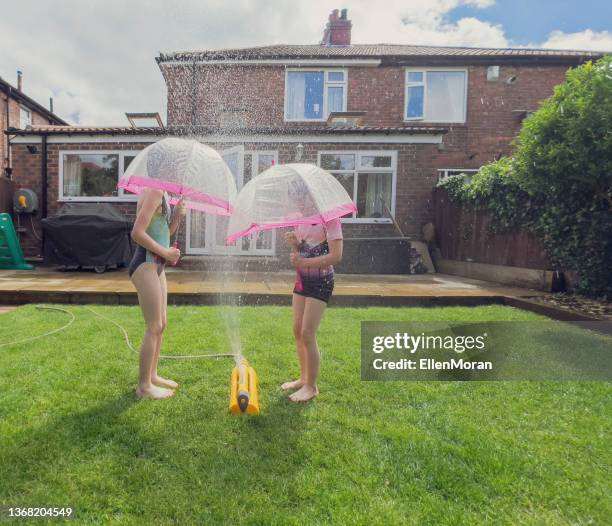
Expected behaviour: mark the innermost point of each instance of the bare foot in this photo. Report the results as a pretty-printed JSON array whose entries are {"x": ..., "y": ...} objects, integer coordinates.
[
  {"x": 306, "y": 393},
  {"x": 153, "y": 393},
  {"x": 164, "y": 382},
  {"x": 290, "y": 386}
]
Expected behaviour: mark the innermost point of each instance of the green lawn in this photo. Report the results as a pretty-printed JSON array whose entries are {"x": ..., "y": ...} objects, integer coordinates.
[{"x": 71, "y": 432}]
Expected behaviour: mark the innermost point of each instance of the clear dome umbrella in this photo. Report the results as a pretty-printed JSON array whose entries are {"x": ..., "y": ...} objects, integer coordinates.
[
  {"x": 187, "y": 169},
  {"x": 288, "y": 195}
]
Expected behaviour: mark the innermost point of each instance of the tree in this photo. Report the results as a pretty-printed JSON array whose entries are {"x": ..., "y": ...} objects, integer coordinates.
[{"x": 558, "y": 183}]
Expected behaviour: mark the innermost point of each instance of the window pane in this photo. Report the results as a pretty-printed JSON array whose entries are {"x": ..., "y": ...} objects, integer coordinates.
[
  {"x": 90, "y": 175},
  {"x": 25, "y": 118},
  {"x": 374, "y": 195},
  {"x": 127, "y": 160},
  {"x": 221, "y": 224},
  {"x": 264, "y": 161},
  {"x": 263, "y": 240},
  {"x": 305, "y": 94},
  {"x": 415, "y": 76},
  {"x": 415, "y": 102},
  {"x": 335, "y": 76},
  {"x": 459, "y": 172},
  {"x": 332, "y": 161},
  {"x": 335, "y": 99},
  {"x": 197, "y": 231},
  {"x": 232, "y": 159},
  {"x": 445, "y": 96},
  {"x": 347, "y": 181},
  {"x": 376, "y": 161}
]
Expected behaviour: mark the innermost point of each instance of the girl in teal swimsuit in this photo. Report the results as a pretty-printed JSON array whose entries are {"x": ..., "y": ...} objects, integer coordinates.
[{"x": 152, "y": 230}]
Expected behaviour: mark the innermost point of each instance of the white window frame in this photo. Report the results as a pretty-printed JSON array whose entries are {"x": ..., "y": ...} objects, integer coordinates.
[
  {"x": 424, "y": 84},
  {"x": 254, "y": 251},
  {"x": 255, "y": 159},
  {"x": 210, "y": 248},
  {"x": 22, "y": 110},
  {"x": 366, "y": 153},
  {"x": 123, "y": 196},
  {"x": 326, "y": 84},
  {"x": 443, "y": 172}
]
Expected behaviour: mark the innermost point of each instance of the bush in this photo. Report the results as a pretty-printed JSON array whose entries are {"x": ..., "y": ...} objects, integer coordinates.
[{"x": 558, "y": 184}]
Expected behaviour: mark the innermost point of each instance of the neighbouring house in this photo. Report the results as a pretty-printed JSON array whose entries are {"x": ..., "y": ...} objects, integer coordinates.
[
  {"x": 20, "y": 111},
  {"x": 387, "y": 120}
]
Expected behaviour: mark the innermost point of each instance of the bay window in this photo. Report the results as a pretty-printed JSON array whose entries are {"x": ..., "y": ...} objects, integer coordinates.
[
  {"x": 369, "y": 179},
  {"x": 311, "y": 95},
  {"x": 93, "y": 176},
  {"x": 435, "y": 95}
]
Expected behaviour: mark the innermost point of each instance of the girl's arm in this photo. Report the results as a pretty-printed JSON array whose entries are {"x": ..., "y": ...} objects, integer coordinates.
[
  {"x": 177, "y": 216},
  {"x": 151, "y": 199},
  {"x": 333, "y": 258}
]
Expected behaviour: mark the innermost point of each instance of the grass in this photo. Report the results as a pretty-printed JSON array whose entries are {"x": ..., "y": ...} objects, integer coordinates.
[{"x": 71, "y": 432}]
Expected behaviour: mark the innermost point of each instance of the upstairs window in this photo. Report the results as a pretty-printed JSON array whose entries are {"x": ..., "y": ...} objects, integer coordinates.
[
  {"x": 25, "y": 117},
  {"x": 435, "y": 95},
  {"x": 311, "y": 95}
]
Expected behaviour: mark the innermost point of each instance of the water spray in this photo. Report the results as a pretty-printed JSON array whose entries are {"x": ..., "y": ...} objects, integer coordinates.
[{"x": 244, "y": 398}]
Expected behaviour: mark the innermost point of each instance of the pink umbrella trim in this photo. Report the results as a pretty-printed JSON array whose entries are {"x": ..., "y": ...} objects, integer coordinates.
[
  {"x": 201, "y": 201},
  {"x": 325, "y": 217}
]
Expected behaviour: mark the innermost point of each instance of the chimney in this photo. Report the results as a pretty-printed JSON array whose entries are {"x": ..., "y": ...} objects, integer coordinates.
[
  {"x": 19, "y": 77},
  {"x": 338, "y": 30},
  {"x": 51, "y": 104}
]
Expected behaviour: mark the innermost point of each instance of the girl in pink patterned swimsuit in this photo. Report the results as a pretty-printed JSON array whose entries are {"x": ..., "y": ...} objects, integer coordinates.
[{"x": 315, "y": 249}]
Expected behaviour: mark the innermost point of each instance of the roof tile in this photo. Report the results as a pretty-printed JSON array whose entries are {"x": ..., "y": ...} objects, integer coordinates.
[{"x": 284, "y": 51}]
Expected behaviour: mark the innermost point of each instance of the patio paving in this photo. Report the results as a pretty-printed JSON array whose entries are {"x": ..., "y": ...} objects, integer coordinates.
[{"x": 201, "y": 287}]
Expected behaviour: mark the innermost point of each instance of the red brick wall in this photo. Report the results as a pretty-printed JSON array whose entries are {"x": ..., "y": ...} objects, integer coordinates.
[
  {"x": 14, "y": 109},
  {"x": 27, "y": 173},
  {"x": 492, "y": 122},
  {"x": 198, "y": 95},
  {"x": 415, "y": 179}
]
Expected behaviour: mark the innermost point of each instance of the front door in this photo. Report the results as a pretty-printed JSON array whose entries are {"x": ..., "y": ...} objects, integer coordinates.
[{"x": 206, "y": 232}]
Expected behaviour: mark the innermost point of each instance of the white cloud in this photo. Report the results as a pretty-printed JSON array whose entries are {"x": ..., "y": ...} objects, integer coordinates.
[
  {"x": 97, "y": 58},
  {"x": 585, "y": 40}
]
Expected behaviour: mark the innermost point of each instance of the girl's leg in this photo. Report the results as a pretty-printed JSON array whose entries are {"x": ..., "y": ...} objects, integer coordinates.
[
  {"x": 298, "y": 304},
  {"x": 313, "y": 312},
  {"x": 155, "y": 378},
  {"x": 147, "y": 284}
]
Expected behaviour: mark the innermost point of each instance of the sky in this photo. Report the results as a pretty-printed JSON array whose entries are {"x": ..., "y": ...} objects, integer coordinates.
[{"x": 96, "y": 58}]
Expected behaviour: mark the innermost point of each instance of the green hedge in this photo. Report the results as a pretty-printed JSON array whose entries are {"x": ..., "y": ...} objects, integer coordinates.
[{"x": 558, "y": 184}]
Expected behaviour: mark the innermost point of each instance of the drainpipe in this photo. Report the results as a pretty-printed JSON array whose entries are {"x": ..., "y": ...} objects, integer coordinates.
[
  {"x": 8, "y": 143},
  {"x": 43, "y": 208}
]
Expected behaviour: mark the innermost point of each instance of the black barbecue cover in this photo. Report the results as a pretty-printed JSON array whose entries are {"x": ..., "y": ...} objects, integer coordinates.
[{"x": 87, "y": 234}]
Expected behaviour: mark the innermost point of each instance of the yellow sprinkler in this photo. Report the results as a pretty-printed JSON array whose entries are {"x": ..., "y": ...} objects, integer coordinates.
[{"x": 243, "y": 390}]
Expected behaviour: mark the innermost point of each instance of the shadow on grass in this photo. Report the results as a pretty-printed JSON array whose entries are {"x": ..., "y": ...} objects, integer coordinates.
[
  {"x": 103, "y": 455},
  {"x": 66, "y": 443}
]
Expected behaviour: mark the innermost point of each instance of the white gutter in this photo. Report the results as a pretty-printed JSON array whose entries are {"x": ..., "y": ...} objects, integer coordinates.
[
  {"x": 336, "y": 62},
  {"x": 348, "y": 138}
]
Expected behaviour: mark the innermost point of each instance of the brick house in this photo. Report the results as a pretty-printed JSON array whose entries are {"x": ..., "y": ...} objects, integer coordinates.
[
  {"x": 388, "y": 120},
  {"x": 19, "y": 111}
]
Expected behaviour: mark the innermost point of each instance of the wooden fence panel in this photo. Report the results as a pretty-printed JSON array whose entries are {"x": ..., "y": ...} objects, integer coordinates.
[{"x": 463, "y": 234}]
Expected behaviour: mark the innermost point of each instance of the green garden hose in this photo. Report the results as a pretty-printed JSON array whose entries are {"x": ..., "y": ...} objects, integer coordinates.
[{"x": 120, "y": 327}]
